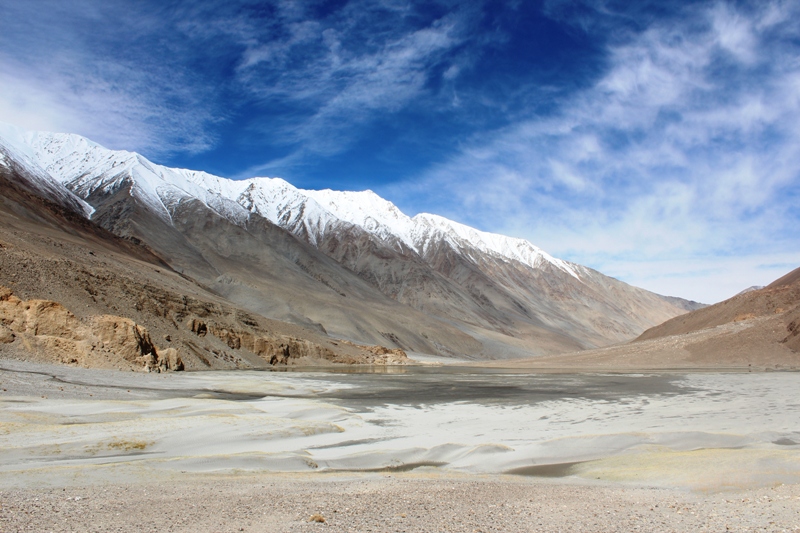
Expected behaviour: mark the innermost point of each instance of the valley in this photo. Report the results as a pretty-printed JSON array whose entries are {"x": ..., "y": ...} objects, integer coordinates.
[
  {"x": 168, "y": 332},
  {"x": 348, "y": 265},
  {"x": 399, "y": 266}
]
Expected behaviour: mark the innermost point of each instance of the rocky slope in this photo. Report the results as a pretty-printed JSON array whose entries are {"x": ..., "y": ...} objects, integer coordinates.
[
  {"x": 779, "y": 300},
  {"x": 351, "y": 264},
  {"x": 73, "y": 292},
  {"x": 754, "y": 330},
  {"x": 44, "y": 326}
]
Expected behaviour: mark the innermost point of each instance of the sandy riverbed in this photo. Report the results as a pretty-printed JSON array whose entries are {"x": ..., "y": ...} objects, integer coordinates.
[{"x": 265, "y": 451}]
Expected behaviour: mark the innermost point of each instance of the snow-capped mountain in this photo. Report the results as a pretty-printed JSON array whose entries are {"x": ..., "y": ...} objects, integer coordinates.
[
  {"x": 483, "y": 294},
  {"x": 300, "y": 211},
  {"x": 16, "y": 152},
  {"x": 384, "y": 220},
  {"x": 89, "y": 169}
]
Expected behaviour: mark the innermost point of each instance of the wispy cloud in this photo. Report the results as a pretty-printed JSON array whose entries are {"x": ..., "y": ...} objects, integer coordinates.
[
  {"x": 338, "y": 73},
  {"x": 63, "y": 67},
  {"x": 684, "y": 150},
  {"x": 307, "y": 77}
]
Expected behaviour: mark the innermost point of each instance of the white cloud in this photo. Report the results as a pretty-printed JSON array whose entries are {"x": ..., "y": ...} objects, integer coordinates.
[
  {"x": 340, "y": 85},
  {"x": 125, "y": 114},
  {"x": 734, "y": 33},
  {"x": 683, "y": 153},
  {"x": 62, "y": 69},
  {"x": 717, "y": 277},
  {"x": 26, "y": 104}
]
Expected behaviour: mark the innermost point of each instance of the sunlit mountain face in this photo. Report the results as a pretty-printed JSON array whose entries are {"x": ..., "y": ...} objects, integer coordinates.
[
  {"x": 350, "y": 264},
  {"x": 651, "y": 141}
]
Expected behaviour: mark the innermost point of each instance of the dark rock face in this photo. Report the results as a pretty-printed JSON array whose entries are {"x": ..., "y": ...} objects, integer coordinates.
[{"x": 792, "y": 340}]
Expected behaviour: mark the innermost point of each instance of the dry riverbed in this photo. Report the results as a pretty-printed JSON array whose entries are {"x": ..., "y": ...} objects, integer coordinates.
[{"x": 414, "y": 451}]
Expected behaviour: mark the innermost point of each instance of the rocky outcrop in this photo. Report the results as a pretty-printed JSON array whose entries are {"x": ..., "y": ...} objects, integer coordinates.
[
  {"x": 50, "y": 329},
  {"x": 278, "y": 349},
  {"x": 6, "y": 335},
  {"x": 383, "y": 355},
  {"x": 132, "y": 342},
  {"x": 129, "y": 340},
  {"x": 37, "y": 317},
  {"x": 792, "y": 340}
]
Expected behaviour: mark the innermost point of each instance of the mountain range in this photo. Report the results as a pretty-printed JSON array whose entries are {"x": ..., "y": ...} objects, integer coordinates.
[{"x": 344, "y": 265}]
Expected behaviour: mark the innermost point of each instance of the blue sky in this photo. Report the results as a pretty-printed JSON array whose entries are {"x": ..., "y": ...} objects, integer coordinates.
[{"x": 654, "y": 141}]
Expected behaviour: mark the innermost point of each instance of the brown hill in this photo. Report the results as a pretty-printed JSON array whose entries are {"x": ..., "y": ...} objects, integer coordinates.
[
  {"x": 789, "y": 279},
  {"x": 780, "y": 299},
  {"x": 758, "y": 329}
]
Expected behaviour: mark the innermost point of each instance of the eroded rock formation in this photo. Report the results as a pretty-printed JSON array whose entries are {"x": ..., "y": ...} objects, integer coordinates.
[
  {"x": 277, "y": 349},
  {"x": 52, "y": 330}
]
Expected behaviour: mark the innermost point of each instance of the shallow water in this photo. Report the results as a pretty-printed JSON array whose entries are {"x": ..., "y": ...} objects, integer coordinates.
[{"x": 422, "y": 386}]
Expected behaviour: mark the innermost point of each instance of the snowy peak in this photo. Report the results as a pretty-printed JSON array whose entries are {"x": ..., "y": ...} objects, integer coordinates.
[
  {"x": 384, "y": 220},
  {"x": 15, "y": 151},
  {"x": 286, "y": 206},
  {"x": 460, "y": 235},
  {"x": 85, "y": 166},
  {"x": 369, "y": 211}
]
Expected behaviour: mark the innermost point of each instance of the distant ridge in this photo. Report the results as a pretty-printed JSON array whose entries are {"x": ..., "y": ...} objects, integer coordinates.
[
  {"x": 754, "y": 331},
  {"x": 781, "y": 299},
  {"x": 750, "y": 289}
]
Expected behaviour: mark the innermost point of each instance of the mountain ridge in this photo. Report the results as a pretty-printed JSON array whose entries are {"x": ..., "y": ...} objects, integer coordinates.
[
  {"x": 410, "y": 229},
  {"x": 507, "y": 295},
  {"x": 73, "y": 292},
  {"x": 755, "y": 330}
]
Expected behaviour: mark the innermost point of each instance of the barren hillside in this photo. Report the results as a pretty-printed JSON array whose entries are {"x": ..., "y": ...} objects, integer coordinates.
[
  {"x": 780, "y": 299},
  {"x": 756, "y": 330},
  {"x": 72, "y": 292}
]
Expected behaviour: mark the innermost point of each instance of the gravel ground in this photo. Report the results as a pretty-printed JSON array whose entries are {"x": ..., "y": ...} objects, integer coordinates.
[
  {"x": 392, "y": 503},
  {"x": 20, "y": 378}
]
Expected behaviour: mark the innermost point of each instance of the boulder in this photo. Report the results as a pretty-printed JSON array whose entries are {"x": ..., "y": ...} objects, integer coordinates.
[
  {"x": 168, "y": 359},
  {"x": 122, "y": 336}
]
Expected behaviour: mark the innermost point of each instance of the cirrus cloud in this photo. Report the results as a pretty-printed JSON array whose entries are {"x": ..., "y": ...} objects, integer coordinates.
[{"x": 677, "y": 170}]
